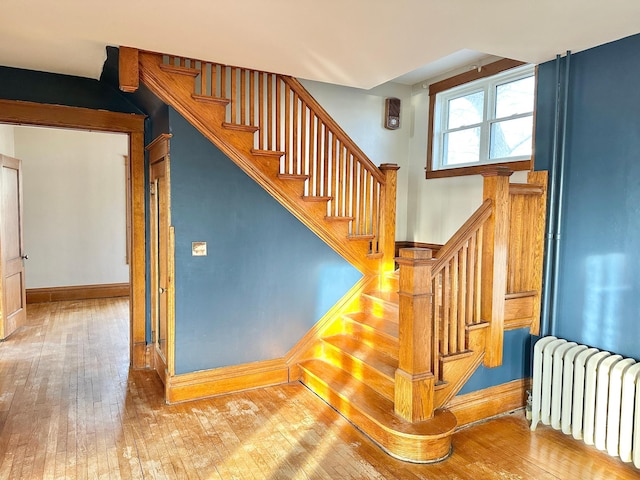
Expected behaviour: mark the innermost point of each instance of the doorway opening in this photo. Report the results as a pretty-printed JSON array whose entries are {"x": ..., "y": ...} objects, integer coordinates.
[{"x": 131, "y": 125}]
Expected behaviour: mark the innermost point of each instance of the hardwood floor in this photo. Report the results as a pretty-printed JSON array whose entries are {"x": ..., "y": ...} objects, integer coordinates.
[{"x": 71, "y": 408}]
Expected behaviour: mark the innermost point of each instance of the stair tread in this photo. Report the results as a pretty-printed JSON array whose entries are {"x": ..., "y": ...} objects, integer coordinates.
[
  {"x": 389, "y": 297},
  {"x": 370, "y": 403},
  {"x": 210, "y": 99},
  {"x": 335, "y": 218},
  {"x": 379, "y": 324},
  {"x": 313, "y": 198},
  {"x": 240, "y": 127},
  {"x": 292, "y": 176},
  {"x": 192, "y": 72},
  {"x": 381, "y": 362},
  {"x": 361, "y": 237},
  {"x": 267, "y": 153}
]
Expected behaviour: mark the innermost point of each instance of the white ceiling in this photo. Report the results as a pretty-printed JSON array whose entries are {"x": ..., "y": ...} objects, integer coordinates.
[{"x": 359, "y": 43}]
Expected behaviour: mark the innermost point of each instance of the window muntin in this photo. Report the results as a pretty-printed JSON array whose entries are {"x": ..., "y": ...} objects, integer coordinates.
[{"x": 486, "y": 121}]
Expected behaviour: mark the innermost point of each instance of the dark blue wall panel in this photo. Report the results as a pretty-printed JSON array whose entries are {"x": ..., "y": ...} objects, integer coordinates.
[
  {"x": 515, "y": 363},
  {"x": 599, "y": 287},
  {"x": 266, "y": 280},
  {"x": 41, "y": 87}
]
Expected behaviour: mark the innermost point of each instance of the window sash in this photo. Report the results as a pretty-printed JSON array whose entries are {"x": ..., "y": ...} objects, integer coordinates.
[{"x": 489, "y": 86}]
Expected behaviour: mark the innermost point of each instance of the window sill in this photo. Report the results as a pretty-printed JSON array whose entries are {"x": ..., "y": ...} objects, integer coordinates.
[{"x": 476, "y": 170}]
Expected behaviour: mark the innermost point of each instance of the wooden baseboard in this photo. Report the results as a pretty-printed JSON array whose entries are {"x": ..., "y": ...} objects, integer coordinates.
[
  {"x": 483, "y": 404},
  {"x": 218, "y": 381},
  {"x": 77, "y": 292}
]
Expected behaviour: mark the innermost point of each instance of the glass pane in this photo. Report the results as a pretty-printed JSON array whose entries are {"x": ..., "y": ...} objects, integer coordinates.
[
  {"x": 511, "y": 138},
  {"x": 515, "y": 97},
  {"x": 466, "y": 110},
  {"x": 462, "y": 146}
]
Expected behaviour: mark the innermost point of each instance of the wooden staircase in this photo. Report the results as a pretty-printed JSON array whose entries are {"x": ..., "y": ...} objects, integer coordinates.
[
  {"x": 391, "y": 364},
  {"x": 273, "y": 129}
]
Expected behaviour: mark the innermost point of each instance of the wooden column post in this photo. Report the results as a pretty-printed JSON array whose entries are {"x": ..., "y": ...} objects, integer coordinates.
[
  {"x": 128, "y": 69},
  {"x": 414, "y": 387},
  {"x": 494, "y": 261},
  {"x": 388, "y": 217}
]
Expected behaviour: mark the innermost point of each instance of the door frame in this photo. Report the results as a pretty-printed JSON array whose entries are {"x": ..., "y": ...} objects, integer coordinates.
[{"x": 78, "y": 118}]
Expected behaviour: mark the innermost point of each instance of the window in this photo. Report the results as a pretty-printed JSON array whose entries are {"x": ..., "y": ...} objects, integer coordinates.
[{"x": 481, "y": 118}]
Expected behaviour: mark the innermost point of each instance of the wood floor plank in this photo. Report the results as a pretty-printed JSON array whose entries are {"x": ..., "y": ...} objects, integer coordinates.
[{"x": 70, "y": 408}]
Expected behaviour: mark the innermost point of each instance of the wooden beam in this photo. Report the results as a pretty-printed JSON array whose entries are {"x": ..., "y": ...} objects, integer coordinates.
[
  {"x": 128, "y": 69},
  {"x": 388, "y": 216},
  {"x": 494, "y": 261}
]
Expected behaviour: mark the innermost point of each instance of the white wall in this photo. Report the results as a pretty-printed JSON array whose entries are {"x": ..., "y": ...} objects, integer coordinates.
[
  {"x": 6, "y": 140},
  {"x": 360, "y": 113},
  {"x": 437, "y": 207},
  {"x": 74, "y": 206}
]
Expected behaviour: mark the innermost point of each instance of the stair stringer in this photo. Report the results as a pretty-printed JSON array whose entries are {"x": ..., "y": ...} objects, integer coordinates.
[{"x": 176, "y": 89}]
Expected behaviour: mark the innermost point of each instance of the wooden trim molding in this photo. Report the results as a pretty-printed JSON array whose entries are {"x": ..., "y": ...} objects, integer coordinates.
[
  {"x": 218, "y": 381},
  {"x": 484, "y": 404},
  {"x": 77, "y": 292},
  {"x": 409, "y": 244},
  {"x": 461, "y": 79},
  {"x": 45, "y": 115}
]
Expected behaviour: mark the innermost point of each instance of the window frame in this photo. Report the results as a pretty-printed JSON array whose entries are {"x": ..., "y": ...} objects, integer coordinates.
[{"x": 457, "y": 81}]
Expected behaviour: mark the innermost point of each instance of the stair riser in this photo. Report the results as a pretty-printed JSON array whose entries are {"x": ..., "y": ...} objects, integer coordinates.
[
  {"x": 360, "y": 370},
  {"x": 372, "y": 338}
]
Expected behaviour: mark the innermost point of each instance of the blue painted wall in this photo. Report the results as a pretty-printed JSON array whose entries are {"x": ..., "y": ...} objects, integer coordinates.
[
  {"x": 599, "y": 285},
  {"x": 51, "y": 88},
  {"x": 266, "y": 280}
]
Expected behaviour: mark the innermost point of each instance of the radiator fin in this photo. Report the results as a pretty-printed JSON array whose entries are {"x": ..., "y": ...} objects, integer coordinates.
[{"x": 590, "y": 394}]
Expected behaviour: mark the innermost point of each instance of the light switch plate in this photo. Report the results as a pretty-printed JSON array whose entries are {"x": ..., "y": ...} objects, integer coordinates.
[{"x": 198, "y": 249}]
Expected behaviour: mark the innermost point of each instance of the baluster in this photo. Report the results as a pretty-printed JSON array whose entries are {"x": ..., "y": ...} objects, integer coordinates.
[
  {"x": 294, "y": 139},
  {"x": 354, "y": 197},
  {"x": 252, "y": 98},
  {"x": 453, "y": 320},
  {"x": 261, "y": 109},
  {"x": 270, "y": 111},
  {"x": 341, "y": 182},
  {"x": 223, "y": 81},
  {"x": 437, "y": 324},
  {"x": 462, "y": 298},
  {"x": 312, "y": 153},
  {"x": 203, "y": 78},
  {"x": 243, "y": 96},
  {"x": 215, "y": 88},
  {"x": 471, "y": 278},
  {"x": 287, "y": 128},
  {"x": 300, "y": 167},
  {"x": 446, "y": 314},
  {"x": 325, "y": 162},
  {"x": 334, "y": 176},
  {"x": 234, "y": 96},
  {"x": 478, "y": 296},
  {"x": 279, "y": 140},
  {"x": 319, "y": 154}
]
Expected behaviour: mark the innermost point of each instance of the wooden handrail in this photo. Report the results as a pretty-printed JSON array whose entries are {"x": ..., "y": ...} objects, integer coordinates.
[{"x": 463, "y": 234}]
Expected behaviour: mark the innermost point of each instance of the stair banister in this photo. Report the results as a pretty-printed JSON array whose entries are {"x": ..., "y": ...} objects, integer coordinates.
[
  {"x": 494, "y": 260},
  {"x": 414, "y": 379},
  {"x": 388, "y": 217}
]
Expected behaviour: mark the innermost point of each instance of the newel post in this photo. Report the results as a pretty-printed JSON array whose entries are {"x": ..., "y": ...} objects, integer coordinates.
[
  {"x": 129, "y": 76},
  {"x": 494, "y": 261},
  {"x": 414, "y": 387},
  {"x": 388, "y": 216}
]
